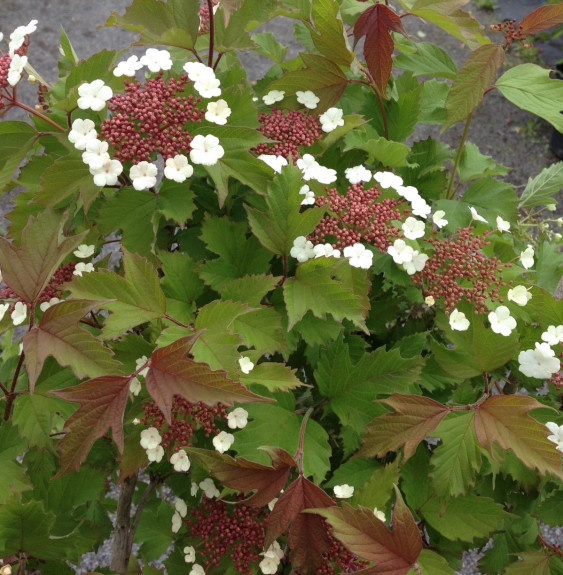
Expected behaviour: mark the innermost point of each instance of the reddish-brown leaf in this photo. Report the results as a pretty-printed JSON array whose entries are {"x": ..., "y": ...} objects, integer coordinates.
[
  {"x": 245, "y": 476},
  {"x": 542, "y": 18},
  {"x": 308, "y": 540},
  {"x": 414, "y": 418},
  {"x": 102, "y": 403},
  {"x": 376, "y": 23},
  {"x": 504, "y": 419},
  {"x": 172, "y": 373},
  {"x": 393, "y": 552}
]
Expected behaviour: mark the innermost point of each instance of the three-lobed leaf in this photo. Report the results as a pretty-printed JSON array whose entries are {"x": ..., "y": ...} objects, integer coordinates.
[{"x": 542, "y": 18}]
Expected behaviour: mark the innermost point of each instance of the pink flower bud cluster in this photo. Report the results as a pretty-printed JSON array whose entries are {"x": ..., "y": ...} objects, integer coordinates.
[
  {"x": 289, "y": 130},
  {"x": 204, "y": 16},
  {"x": 5, "y": 61},
  {"x": 150, "y": 118},
  {"x": 557, "y": 379},
  {"x": 458, "y": 270},
  {"x": 358, "y": 216},
  {"x": 187, "y": 419}
]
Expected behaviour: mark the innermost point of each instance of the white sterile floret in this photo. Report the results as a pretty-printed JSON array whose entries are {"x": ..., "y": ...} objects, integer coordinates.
[
  {"x": 343, "y": 491},
  {"x": 429, "y": 300},
  {"x": 84, "y": 251},
  {"x": 476, "y": 216},
  {"x": 95, "y": 154},
  {"x": 379, "y": 514},
  {"x": 539, "y": 362},
  {"x": 3, "y": 309},
  {"x": 309, "y": 199},
  {"x": 275, "y": 162},
  {"x": 197, "y": 570},
  {"x": 155, "y": 454},
  {"x": 139, "y": 363},
  {"x": 150, "y": 438},
  {"x": 238, "y": 418},
  {"x": 156, "y": 60},
  {"x": 180, "y": 461},
  {"x": 94, "y": 95},
  {"x": 208, "y": 87},
  {"x": 246, "y": 366},
  {"x": 502, "y": 225},
  {"x": 458, "y": 321},
  {"x": 302, "y": 249},
  {"x": 400, "y": 251},
  {"x": 308, "y": 99},
  {"x": 180, "y": 506},
  {"x": 222, "y": 441},
  {"x": 208, "y": 488},
  {"x": 420, "y": 207},
  {"x": 17, "y": 64},
  {"x": 178, "y": 168},
  {"x": 127, "y": 67},
  {"x": 189, "y": 554},
  {"x": 553, "y": 335},
  {"x": 272, "y": 557},
  {"x": 390, "y": 180},
  {"x": 312, "y": 170},
  {"x": 82, "y": 132},
  {"x": 416, "y": 264},
  {"x": 82, "y": 268},
  {"x": 273, "y": 96},
  {"x": 331, "y": 119},
  {"x": 196, "y": 71},
  {"x": 556, "y": 434},
  {"x": 438, "y": 218},
  {"x": 413, "y": 228},
  {"x": 206, "y": 150},
  {"x": 176, "y": 522},
  {"x": 358, "y": 256},
  {"x": 218, "y": 112},
  {"x": 135, "y": 386},
  {"x": 143, "y": 175},
  {"x": 19, "y": 314},
  {"x": 194, "y": 489},
  {"x": 357, "y": 174},
  {"x": 108, "y": 174},
  {"x": 47, "y": 304},
  {"x": 527, "y": 257},
  {"x": 325, "y": 251},
  {"x": 501, "y": 321},
  {"x": 17, "y": 37},
  {"x": 519, "y": 295}
]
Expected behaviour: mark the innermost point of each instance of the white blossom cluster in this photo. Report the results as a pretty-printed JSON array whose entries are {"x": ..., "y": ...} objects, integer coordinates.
[
  {"x": 17, "y": 62},
  {"x": 556, "y": 434},
  {"x": 272, "y": 557},
  {"x": 150, "y": 441}
]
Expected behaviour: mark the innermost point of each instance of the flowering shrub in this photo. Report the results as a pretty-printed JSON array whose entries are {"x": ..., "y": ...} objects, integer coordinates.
[{"x": 294, "y": 342}]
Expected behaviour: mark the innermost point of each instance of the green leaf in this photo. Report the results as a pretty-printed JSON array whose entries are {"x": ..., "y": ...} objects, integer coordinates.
[
  {"x": 16, "y": 138},
  {"x": 530, "y": 87},
  {"x": 539, "y": 191},
  {"x": 269, "y": 46},
  {"x": 175, "y": 201},
  {"x": 551, "y": 509},
  {"x": 473, "y": 164},
  {"x": 250, "y": 289},
  {"x": 273, "y": 376},
  {"x": 13, "y": 480},
  {"x": 153, "y": 531},
  {"x": 355, "y": 472},
  {"x": 433, "y": 102},
  {"x": 378, "y": 489},
  {"x": 492, "y": 197},
  {"x": 431, "y": 563},
  {"x": 387, "y": 153},
  {"x": 530, "y": 563},
  {"x": 415, "y": 478},
  {"x": 428, "y": 60},
  {"x": 261, "y": 329}
]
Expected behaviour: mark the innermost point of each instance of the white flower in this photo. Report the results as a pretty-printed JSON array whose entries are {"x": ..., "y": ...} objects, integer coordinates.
[
  {"x": 3, "y": 309},
  {"x": 136, "y": 421},
  {"x": 178, "y": 168},
  {"x": 222, "y": 441},
  {"x": 17, "y": 64},
  {"x": 269, "y": 565},
  {"x": 180, "y": 461},
  {"x": 238, "y": 418},
  {"x": 438, "y": 218},
  {"x": 156, "y": 453},
  {"x": 194, "y": 489},
  {"x": 476, "y": 216},
  {"x": 343, "y": 491},
  {"x": 150, "y": 438},
  {"x": 206, "y": 150},
  {"x": 275, "y": 162},
  {"x": 553, "y": 335},
  {"x": 156, "y": 60},
  {"x": 218, "y": 112},
  {"x": 107, "y": 175},
  {"x": 143, "y": 175},
  {"x": 127, "y": 67},
  {"x": 176, "y": 522},
  {"x": 308, "y": 99},
  {"x": 400, "y": 251},
  {"x": 84, "y": 251},
  {"x": 309, "y": 199},
  {"x": 416, "y": 264},
  {"x": 208, "y": 87},
  {"x": 139, "y": 363},
  {"x": 274, "y": 550},
  {"x": 95, "y": 154},
  {"x": 331, "y": 119},
  {"x": 390, "y": 180},
  {"x": 273, "y": 96},
  {"x": 527, "y": 257},
  {"x": 556, "y": 434},
  {"x": 458, "y": 321},
  {"x": 180, "y": 506},
  {"x": 17, "y": 37},
  {"x": 420, "y": 207},
  {"x": 357, "y": 174},
  {"x": 429, "y": 301},
  {"x": 413, "y": 228},
  {"x": 197, "y": 570},
  {"x": 358, "y": 256},
  {"x": 94, "y": 95},
  {"x": 196, "y": 71},
  {"x": 519, "y": 295},
  {"x": 312, "y": 170},
  {"x": 135, "y": 386},
  {"x": 410, "y": 193},
  {"x": 502, "y": 225},
  {"x": 209, "y": 488},
  {"x": 246, "y": 366},
  {"x": 501, "y": 321},
  {"x": 272, "y": 503},
  {"x": 19, "y": 314},
  {"x": 379, "y": 514},
  {"x": 325, "y": 251},
  {"x": 189, "y": 554},
  {"x": 82, "y": 268},
  {"x": 302, "y": 249},
  {"x": 539, "y": 362},
  {"x": 47, "y": 304}
]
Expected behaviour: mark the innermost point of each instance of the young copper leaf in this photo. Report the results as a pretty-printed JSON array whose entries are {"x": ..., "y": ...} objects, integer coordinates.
[
  {"x": 393, "y": 552},
  {"x": 504, "y": 419},
  {"x": 58, "y": 335},
  {"x": 172, "y": 373},
  {"x": 414, "y": 418},
  {"x": 102, "y": 403},
  {"x": 246, "y": 476},
  {"x": 28, "y": 267},
  {"x": 307, "y": 538},
  {"x": 376, "y": 23},
  {"x": 542, "y": 18}
]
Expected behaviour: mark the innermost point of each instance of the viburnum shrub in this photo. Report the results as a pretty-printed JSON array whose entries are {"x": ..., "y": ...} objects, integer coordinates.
[{"x": 287, "y": 340}]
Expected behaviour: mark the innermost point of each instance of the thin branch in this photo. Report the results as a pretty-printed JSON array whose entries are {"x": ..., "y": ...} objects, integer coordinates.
[
  {"x": 211, "y": 33},
  {"x": 449, "y": 192}
]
